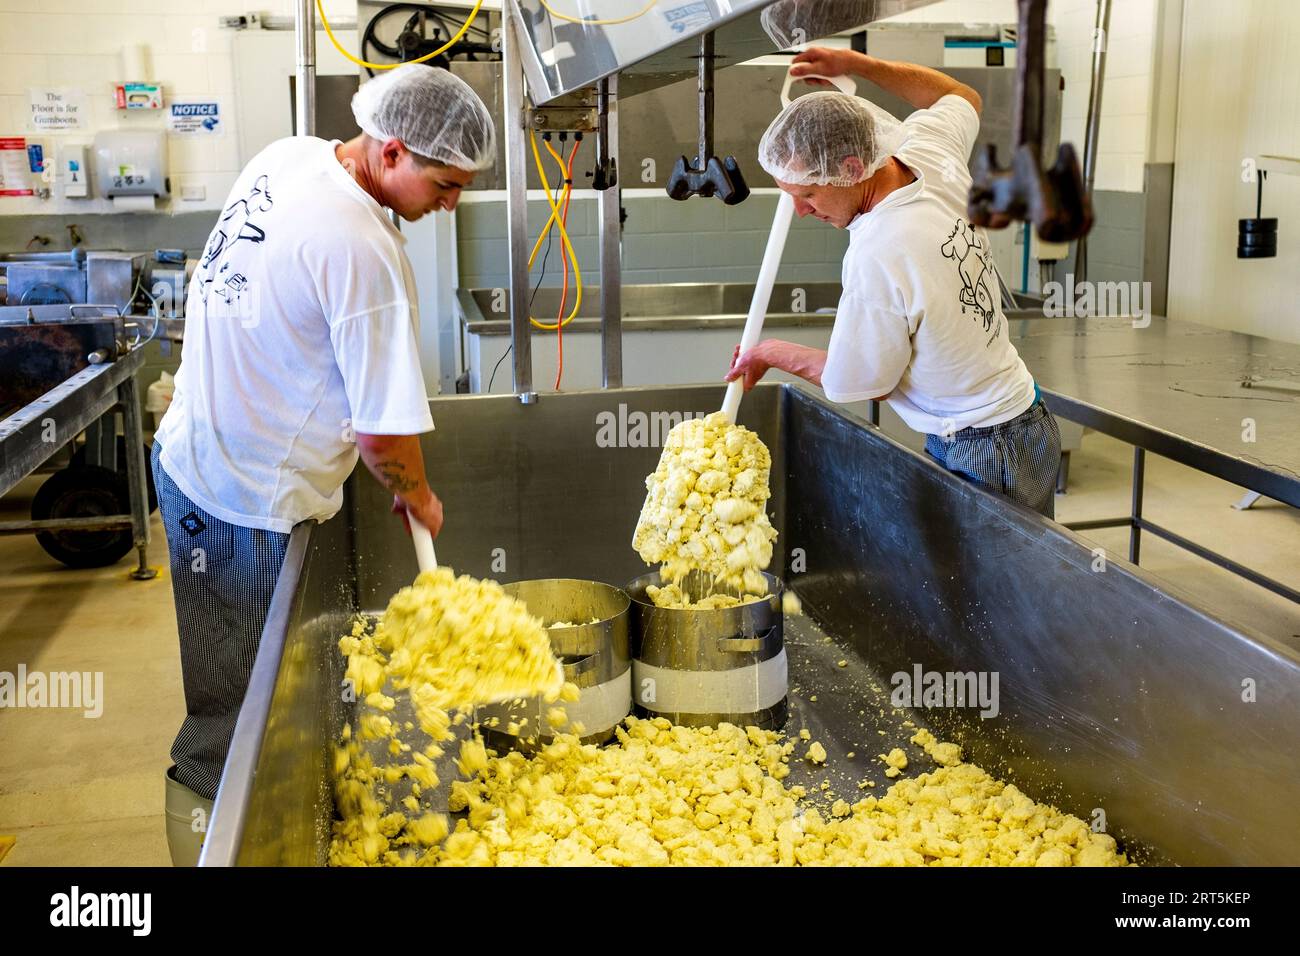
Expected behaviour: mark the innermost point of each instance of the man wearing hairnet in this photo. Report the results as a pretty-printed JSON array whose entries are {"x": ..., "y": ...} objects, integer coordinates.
[
  {"x": 300, "y": 352},
  {"x": 920, "y": 322}
]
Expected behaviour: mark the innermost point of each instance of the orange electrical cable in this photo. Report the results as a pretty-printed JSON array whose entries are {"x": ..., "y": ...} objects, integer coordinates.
[{"x": 568, "y": 176}]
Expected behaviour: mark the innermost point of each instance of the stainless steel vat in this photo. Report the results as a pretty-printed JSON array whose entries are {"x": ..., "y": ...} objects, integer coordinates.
[
  {"x": 699, "y": 668},
  {"x": 1117, "y": 692},
  {"x": 595, "y": 656}
]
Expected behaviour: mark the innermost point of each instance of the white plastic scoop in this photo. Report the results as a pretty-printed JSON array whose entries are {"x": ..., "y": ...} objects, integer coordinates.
[
  {"x": 771, "y": 259},
  {"x": 423, "y": 542}
]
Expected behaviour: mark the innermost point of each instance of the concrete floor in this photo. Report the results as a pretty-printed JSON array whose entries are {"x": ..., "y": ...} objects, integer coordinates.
[
  {"x": 76, "y": 789},
  {"x": 89, "y": 791},
  {"x": 1265, "y": 538}
]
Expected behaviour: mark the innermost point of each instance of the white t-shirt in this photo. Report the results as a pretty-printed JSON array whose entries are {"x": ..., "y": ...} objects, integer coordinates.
[
  {"x": 300, "y": 330},
  {"x": 920, "y": 317}
]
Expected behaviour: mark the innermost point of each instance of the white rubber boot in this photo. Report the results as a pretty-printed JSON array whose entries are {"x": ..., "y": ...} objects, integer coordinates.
[{"x": 187, "y": 821}]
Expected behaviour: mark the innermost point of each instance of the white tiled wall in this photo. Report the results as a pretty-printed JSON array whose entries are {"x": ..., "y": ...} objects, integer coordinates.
[
  {"x": 1226, "y": 116},
  {"x": 1122, "y": 148},
  {"x": 79, "y": 44},
  {"x": 1126, "y": 97}
]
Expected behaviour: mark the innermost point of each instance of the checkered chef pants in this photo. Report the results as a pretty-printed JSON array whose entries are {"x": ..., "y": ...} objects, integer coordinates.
[
  {"x": 223, "y": 593},
  {"x": 1018, "y": 458}
]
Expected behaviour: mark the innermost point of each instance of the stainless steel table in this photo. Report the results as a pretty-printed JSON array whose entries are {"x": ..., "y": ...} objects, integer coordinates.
[
  {"x": 1221, "y": 402},
  {"x": 65, "y": 411}
]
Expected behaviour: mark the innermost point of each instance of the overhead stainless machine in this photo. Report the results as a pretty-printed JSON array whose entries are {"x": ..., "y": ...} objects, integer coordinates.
[
  {"x": 566, "y": 64},
  {"x": 571, "y": 44}
]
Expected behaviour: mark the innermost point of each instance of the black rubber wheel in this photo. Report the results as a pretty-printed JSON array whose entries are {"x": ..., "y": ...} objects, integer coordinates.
[
  {"x": 79, "y": 459},
  {"x": 83, "y": 492}
]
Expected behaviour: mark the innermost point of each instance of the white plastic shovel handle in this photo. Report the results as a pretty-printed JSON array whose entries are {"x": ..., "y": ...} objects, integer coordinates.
[
  {"x": 843, "y": 83},
  {"x": 771, "y": 258},
  {"x": 762, "y": 295},
  {"x": 424, "y": 556}
]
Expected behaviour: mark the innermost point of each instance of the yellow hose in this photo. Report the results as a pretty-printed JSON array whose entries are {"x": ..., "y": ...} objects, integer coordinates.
[
  {"x": 473, "y": 14},
  {"x": 596, "y": 23},
  {"x": 558, "y": 220}
]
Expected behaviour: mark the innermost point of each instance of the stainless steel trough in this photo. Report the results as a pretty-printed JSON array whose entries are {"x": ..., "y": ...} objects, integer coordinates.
[{"x": 1116, "y": 697}]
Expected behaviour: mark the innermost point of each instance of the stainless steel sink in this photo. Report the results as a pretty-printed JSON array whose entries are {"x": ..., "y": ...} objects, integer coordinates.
[
  {"x": 682, "y": 305},
  {"x": 663, "y": 305}
]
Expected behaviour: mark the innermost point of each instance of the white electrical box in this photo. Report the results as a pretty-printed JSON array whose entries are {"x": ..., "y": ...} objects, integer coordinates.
[{"x": 73, "y": 172}]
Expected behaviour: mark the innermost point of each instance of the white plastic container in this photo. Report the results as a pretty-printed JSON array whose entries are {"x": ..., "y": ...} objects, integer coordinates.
[{"x": 158, "y": 397}]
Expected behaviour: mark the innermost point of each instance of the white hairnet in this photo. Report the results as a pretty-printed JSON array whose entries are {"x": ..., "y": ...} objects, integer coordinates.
[
  {"x": 433, "y": 113},
  {"x": 808, "y": 142}
]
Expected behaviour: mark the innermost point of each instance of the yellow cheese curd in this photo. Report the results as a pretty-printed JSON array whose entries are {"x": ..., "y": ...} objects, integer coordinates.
[
  {"x": 669, "y": 795},
  {"x": 670, "y": 595},
  {"x": 944, "y": 754},
  {"x": 453, "y": 642},
  {"x": 706, "y": 506},
  {"x": 450, "y": 642},
  {"x": 673, "y": 795}
]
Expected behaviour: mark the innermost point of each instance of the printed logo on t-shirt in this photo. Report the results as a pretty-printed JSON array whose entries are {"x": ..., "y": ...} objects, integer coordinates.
[
  {"x": 238, "y": 223},
  {"x": 975, "y": 269}
]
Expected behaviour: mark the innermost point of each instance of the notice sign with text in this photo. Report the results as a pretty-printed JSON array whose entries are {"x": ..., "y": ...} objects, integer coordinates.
[
  {"x": 15, "y": 180},
  {"x": 194, "y": 118},
  {"x": 54, "y": 110}
]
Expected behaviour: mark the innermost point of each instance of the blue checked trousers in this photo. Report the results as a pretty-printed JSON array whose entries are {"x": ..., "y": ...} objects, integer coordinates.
[
  {"x": 223, "y": 576},
  {"x": 1018, "y": 458}
]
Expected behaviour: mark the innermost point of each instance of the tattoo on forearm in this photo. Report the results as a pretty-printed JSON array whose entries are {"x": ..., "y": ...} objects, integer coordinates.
[{"x": 394, "y": 476}]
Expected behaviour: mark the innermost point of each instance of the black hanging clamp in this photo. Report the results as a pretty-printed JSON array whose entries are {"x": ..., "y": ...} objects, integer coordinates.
[
  {"x": 709, "y": 176},
  {"x": 1054, "y": 199}
]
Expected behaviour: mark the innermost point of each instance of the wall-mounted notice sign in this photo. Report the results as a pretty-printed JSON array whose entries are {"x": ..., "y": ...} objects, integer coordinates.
[
  {"x": 15, "y": 179},
  {"x": 194, "y": 118},
  {"x": 54, "y": 110}
]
